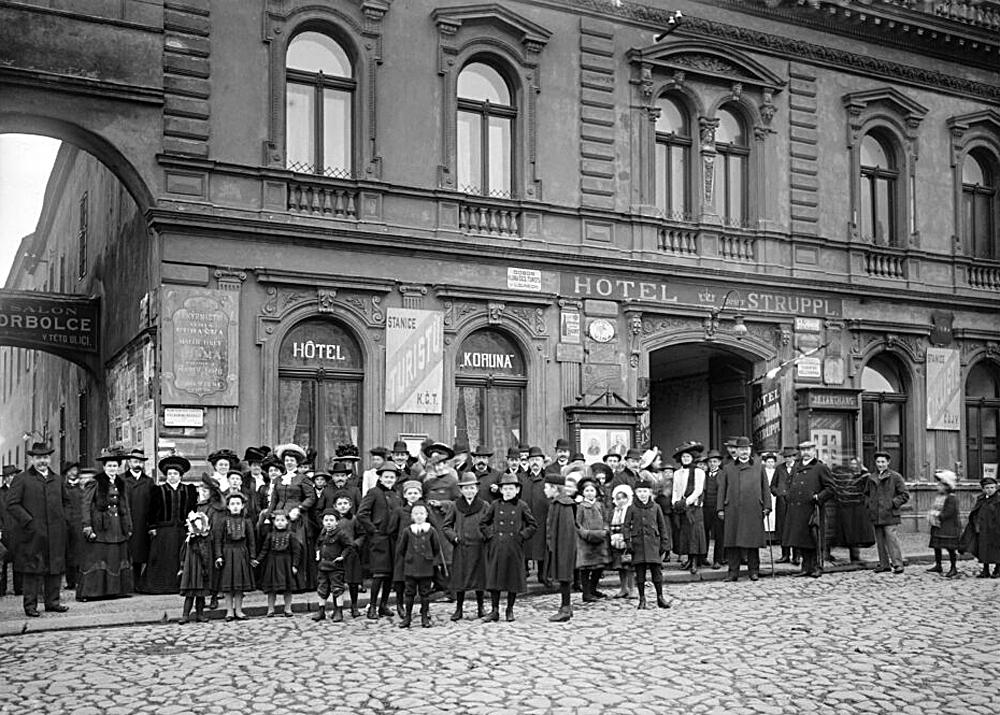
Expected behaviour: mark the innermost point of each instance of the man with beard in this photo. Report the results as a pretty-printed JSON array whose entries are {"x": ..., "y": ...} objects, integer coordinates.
[
  {"x": 533, "y": 494},
  {"x": 744, "y": 501},
  {"x": 629, "y": 473},
  {"x": 562, "y": 457},
  {"x": 139, "y": 492},
  {"x": 522, "y": 453},
  {"x": 809, "y": 488},
  {"x": 486, "y": 478}
]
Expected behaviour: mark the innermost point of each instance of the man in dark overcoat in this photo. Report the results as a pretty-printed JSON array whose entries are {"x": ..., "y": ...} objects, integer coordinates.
[
  {"x": 533, "y": 494},
  {"x": 6, "y": 527},
  {"x": 562, "y": 457},
  {"x": 744, "y": 501},
  {"x": 779, "y": 489},
  {"x": 809, "y": 488},
  {"x": 486, "y": 476},
  {"x": 38, "y": 504},
  {"x": 139, "y": 492}
]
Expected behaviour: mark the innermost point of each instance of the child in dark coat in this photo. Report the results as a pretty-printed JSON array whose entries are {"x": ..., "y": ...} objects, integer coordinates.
[
  {"x": 343, "y": 504},
  {"x": 982, "y": 533},
  {"x": 234, "y": 542},
  {"x": 461, "y": 527},
  {"x": 332, "y": 546},
  {"x": 506, "y": 527},
  {"x": 196, "y": 566},
  {"x": 560, "y": 541},
  {"x": 280, "y": 559},
  {"x": 645, "y": 533},
  {"x": 944, "y": 522},
  {"x": 419, "y": 550}
]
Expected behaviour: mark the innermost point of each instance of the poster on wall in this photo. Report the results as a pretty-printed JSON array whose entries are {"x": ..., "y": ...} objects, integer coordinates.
[
  {"x": 414, "y": 361},
  {"x": 200, "y": 346},
  {"x": 944, "y": 389},
  {"x": 829, "y": 445}
]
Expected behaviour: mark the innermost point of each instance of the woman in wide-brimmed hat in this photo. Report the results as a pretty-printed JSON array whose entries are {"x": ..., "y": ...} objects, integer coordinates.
[
  {"x": 689, "y": 485},
  {"x": 106, "y": 570},
  {"x": 294, "y": 494},
  {"x": 170, "y": 505}
]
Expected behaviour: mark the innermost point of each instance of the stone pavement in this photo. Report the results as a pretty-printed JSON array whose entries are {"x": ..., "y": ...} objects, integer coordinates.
[{"x": 856, "y": 642}]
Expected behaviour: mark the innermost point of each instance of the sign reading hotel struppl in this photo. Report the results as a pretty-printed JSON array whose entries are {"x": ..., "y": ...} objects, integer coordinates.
[
  {"x": 58, "y": 323},
  {"x": 757, "y": 300}
]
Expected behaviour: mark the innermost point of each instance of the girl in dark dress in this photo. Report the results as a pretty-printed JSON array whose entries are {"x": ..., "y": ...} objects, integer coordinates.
[
  {"x": 280, "y": 559},
  {"x": 211, "y": 504},
  {"x": 234, "y": 542},
  {"x": 106, "y": 569},
  {"x": 507, "y": 525},
  {"x": 170, "y": 504},
  {"x": 944, "y": 520},
  {"x": 196, "y": 566}
]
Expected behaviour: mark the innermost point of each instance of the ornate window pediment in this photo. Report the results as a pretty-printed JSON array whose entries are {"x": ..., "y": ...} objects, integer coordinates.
[
  {"x": 885, "y": 101},
  {"x": 532, "y": 36},
  {"x": 963, "y": 128}
]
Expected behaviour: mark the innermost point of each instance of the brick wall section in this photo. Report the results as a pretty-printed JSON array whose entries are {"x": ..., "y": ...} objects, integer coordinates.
[
  {"x": 597, "y": 114},
  {"x": 186, "y": 72},
  {"x": 804, "y": 137}
]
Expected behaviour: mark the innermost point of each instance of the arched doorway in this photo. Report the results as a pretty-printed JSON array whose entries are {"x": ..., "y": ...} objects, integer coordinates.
[
  {"x": 884, "y": 408},
  {"x": 982, "y": 414},
  {"x": 490, "y": 383},
  {"x": 320, "y": 380},
  {"x": 698, "y": 391}
]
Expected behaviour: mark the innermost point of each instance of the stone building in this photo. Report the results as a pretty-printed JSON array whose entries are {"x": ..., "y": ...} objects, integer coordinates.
[{"x": 509, "y": 222}]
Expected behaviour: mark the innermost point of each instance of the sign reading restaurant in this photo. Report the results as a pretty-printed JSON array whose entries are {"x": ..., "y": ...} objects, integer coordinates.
[{"x": 759, "y": 300}]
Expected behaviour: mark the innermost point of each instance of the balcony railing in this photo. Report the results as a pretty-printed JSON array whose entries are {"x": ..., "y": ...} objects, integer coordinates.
[
  {"x": 490, "y": 218},
  {"x": 885, "y": 264},
  {"x": 981, "y": 13},
  {"x": 734, "y": 247},
  {"x": 984, "y": 277},
  {"x": 681, "y": 241},
  {"x": 321, "y": 199}
]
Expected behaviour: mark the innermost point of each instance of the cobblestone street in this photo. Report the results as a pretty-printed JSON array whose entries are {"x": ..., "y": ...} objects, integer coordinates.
[{"x": 846, "y": 643}]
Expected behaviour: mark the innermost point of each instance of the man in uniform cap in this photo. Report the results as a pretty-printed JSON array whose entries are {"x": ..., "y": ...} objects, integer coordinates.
[
  {"x": 533, "y": 494},
  {"x": 885, "y": 495},
  {"x": 779, "y": 490},
  {"x": 562, "y": 457},
  {"x": 809, "y": 488}
]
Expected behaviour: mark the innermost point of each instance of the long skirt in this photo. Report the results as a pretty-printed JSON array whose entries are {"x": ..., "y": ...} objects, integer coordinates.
[
  {"x": 164, "y": 560},
  {"x": 105, "y": 571},
  {"x": 236, "y": 575},
  {"x": 308, "y": 575},
  {"x": 691, "y": 532},
  {"x": 276, "y": 573}
]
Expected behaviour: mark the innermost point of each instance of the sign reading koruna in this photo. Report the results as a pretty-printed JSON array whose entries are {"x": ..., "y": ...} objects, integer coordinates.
[
  {"x": 200, "y": 356},
  {"x": 414, "y": 361}
]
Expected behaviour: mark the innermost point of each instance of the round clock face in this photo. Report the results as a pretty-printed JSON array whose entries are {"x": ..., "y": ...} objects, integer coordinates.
[{"x": 601, "y": 330}]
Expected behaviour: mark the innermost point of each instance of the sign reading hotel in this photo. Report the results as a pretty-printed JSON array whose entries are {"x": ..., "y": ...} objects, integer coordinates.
[
  {"x": 944, "y": 389},
  {"x": 62, "y": 324},
  {"x": 200, "y": 334},
  {"x": 414, "y": 361},
  {"x": 759, "y": 300}
]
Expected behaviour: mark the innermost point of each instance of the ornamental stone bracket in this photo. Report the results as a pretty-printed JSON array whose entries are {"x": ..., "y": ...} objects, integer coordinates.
[{"x": 524, "y": 314}]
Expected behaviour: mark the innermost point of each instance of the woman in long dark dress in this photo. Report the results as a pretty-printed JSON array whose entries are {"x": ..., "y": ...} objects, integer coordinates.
[
  {"x": 106, "y": 569},
  {"x": 169, "y": 507},
  {"x": 294, "y": 494}
]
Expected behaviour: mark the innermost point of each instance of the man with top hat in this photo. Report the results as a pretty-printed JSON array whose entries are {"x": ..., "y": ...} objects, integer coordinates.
[
  {"x": 402, "y": 458},
  {"x": 744, "y": 502},
  {"x": 486, "y": 477},
  {"x": 379, "y": 456},
  {"x": 809, "y": 488},
  {"x": 139, "y": 492},
  {"x": 779, "y": 490},
  {"x": 885, "y": 495},
  {"x": 37, "y": 504},
  {"x": 533, "y": 494},
  {"x": 562, "y": 457},
  {"x": 6, "y": 525}
]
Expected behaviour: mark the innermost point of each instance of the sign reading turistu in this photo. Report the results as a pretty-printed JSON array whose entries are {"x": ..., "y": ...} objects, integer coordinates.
[{"x": 414, "y": 361}]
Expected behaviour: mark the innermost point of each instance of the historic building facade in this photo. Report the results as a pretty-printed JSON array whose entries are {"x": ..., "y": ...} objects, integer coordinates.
[{"x": 504, "y": 223}]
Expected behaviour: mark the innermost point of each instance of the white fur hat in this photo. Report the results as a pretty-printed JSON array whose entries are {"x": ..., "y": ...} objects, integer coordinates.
[{"x": 947, "y": 477}]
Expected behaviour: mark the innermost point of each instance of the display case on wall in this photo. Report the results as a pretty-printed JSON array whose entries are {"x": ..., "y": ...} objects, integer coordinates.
[
  {"x": 829, "y": 417},
  {"x": 605, "y": 424}
]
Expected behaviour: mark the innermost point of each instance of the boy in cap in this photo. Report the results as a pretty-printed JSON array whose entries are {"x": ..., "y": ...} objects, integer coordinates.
[
  {"x": 462, "y": 529},
  {"x": 506, "y": 527},
  {"x": 332, "y": 544},
  {"x": 647, "y": 539},
  {"x": 885, "y": 495},
  {"x": 419, "y": 550},
  {"x": 982, "y": 533},
  {"x": 533, "y": 493},
  {"x": 560, "y": 542}
]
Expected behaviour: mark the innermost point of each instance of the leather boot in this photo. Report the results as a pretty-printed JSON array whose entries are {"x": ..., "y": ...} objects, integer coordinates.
[
  {"x": 372, "y": 612},
  {"x": 642, "y": 598},
  {"x": 936, "y": 568},
  {"x": 320, "y": 614},
  {"x": 510, "y": 614},
  {"x": 355, "y": 613},
  {"x": 457, "y": 615},
  {"x": 588, "y": 589},
  {"x": 562, "y": 615},
  {"x": 425, "y": 614},
  {"x": 407, "y": 614},
  {"x": 480, "y": 609},
  {"x": 338, "y": 615},
  {"x": 661, "y": 602},
  {"x": 952, "y": 573},
  {"x": 492, "y": 617}
]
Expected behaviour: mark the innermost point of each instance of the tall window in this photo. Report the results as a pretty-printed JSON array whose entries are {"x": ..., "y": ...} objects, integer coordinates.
[
  {"x": 883, "y": 411},
  {"x": 979, "y": 204},
  {"x": 982, "y": 414},
  {"x": 320, "y": 374},
  {"x": 485, "y": 132},
  {"x": 319, "y": 99},
  {"x": 879, "y": 190},
  {"x": 490, "y": 380},
  {"x": 673, "y": 152},
  {"x": 733, "y": 149}
]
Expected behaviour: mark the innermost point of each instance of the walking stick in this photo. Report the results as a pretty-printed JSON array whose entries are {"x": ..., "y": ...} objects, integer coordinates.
[{"x": 770, "y": 551}]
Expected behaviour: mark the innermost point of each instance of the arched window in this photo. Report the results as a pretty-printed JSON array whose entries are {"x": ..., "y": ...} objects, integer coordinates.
[
  {"x": 485, "y": 132},
  {"x": 319, "y": 106},
  {"x": 879, "y": 190},
  {"x": 982, "y": 413},
  {"x": 320, "y": 373},
  {"x": 490, "y": 381},
  {"x": 979, "y": 204},
  {"x": 673, "y": 159},
  {"x": 733, "y": 147},
  {"x": 883, "y": 410}
]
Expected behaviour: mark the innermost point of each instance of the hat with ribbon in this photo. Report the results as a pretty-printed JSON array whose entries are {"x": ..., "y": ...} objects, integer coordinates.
[{"x": 173, "y": 461}]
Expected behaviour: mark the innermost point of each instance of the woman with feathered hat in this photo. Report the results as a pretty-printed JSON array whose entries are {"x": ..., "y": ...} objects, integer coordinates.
[
  {"x": 294, "y": 494},
  {"x": 106, "y": 570}
]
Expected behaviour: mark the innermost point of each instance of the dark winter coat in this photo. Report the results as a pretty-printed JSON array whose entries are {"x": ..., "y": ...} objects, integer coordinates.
[
  {"x": 419, "y": 552},
  {"x": 949, "y": 528},
  {"x": 560, "y": 539},
  {"x": 851, "y": 527},
  {"x": 333, "y": 544},
  {"x": 533, "y": 494},
  {"x": 625, "y": 476},
  {"x": 591, "y": 536},
  {"x": 139, "y": 493},
  {"x": 74, "y": 530},
  {"x": 107, "y": 510},
  {"x": 885, "y": 495},
  {"x": 808, "y": 485},
  {"x": 462, "y": 529},
  {"x": 375, "y": 519},
  {"x": 168, "y": 512},
  {"x": 743, "y": 495},
  {"x": 982, "y": 534},
  {"x": 37, "y": 507},
  {"x": 506, "y": 527},
  {"x": 487, "y": 481},
  {"x": 645, "y": 532}
]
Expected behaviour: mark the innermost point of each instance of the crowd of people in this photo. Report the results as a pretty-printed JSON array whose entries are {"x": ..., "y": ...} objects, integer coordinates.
[{"x": 447, "y": 520}]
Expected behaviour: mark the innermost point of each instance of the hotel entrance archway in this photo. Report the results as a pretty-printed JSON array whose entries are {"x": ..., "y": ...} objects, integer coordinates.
[{"x": 699, "y": 391}]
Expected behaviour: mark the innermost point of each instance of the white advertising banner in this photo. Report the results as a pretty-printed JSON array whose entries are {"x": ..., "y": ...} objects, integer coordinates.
[
  {"x": 944, "y": 389},
  {"x": 414, "y": 361}
]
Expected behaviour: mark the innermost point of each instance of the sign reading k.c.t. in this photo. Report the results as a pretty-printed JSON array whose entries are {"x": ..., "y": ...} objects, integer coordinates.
[{"x": 58, "y": 323}]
